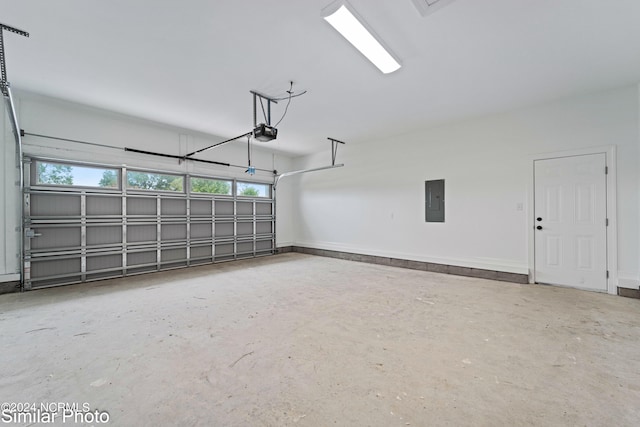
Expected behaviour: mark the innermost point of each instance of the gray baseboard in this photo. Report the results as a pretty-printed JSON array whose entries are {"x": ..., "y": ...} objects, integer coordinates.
[
  {"x": 9, "y": 287},
  {"x": 629, "y": 293},
  {"x": 414, "y": 265}
]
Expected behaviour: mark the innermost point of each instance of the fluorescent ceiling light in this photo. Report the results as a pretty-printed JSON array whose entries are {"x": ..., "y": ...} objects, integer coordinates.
[{"x": 355, "y": 32}]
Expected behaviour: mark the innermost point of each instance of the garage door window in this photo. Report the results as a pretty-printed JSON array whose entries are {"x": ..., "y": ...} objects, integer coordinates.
[
  {"x": 50, "y": 173},
  {"x": 154, "y": 181},
  {"x": 252, "y": 189},
  {"x": 211, "y": 186}
]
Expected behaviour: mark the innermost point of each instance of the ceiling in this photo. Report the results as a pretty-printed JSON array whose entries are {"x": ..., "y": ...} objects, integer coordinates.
[{"x": 192, "y": 63}]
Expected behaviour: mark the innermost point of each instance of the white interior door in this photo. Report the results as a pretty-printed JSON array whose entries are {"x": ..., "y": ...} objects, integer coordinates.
[{"x": 570, "y": 221}]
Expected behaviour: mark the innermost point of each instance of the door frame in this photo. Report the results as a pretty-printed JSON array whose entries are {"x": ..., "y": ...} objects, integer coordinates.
[{"x": 611, "y": 194}]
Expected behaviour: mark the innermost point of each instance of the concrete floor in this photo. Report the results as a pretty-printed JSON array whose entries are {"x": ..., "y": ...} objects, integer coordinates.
[{"x": 301, "y": 340}]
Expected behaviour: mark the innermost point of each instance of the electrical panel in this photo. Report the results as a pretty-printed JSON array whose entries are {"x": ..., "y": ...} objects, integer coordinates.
[{"x": 434, "y": 200}]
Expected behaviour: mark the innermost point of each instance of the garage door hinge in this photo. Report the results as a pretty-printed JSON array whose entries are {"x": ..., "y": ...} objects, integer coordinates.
[
  {"x": 606, "y": 170},
  {"x": 607, "y": 274},
  {"x": 607, "y": 222}
]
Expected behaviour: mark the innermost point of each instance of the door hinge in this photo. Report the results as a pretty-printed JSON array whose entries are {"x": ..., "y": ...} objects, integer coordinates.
[
  {"x": 607, "y": 222},
  {"x": 607, "y": 274},
  {"x": 606, "y": 170}
]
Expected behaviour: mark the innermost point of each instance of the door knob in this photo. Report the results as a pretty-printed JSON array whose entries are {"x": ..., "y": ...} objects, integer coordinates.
[
  {"x": 538, "y": 219},
  {"x": 539, "y": 227}
]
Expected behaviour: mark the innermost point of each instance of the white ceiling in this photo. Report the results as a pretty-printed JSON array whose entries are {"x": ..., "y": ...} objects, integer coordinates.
[{"x": 192, "y": 63}]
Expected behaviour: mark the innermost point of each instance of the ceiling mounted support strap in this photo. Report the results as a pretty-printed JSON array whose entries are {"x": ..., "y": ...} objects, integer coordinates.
[
  {"x": 257, "y": 96},
  {"x": 334, "y": 149},
  {"x": 4, "y": 83}
]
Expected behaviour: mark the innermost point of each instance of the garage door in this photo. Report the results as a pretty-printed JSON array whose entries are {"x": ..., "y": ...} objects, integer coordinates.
[{"x": 90, "y": 222}]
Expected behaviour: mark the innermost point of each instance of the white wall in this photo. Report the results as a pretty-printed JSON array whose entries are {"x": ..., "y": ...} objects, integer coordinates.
[
  {"x": 375, "y": 204},
  {"x": 53, "y": 117}
]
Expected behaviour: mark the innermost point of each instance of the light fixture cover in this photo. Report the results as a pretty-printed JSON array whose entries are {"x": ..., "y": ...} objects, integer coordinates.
[
  {"x": 342, "y": 18},
  {"x": 425, "y": 7}
]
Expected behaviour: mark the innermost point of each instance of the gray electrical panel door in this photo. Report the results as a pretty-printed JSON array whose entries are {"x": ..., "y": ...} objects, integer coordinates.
[{"x": 434, "y": 200}]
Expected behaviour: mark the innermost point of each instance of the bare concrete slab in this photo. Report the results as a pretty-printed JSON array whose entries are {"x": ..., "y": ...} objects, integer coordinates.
[{"x": 304, "y": 340}]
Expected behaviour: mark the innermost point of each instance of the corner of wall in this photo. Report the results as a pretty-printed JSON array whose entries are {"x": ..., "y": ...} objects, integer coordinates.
[{"x": 637, "y": 281}]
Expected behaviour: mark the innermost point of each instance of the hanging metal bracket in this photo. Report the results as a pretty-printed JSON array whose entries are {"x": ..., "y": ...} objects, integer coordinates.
[
  {"x": 257, "y": 96},
  {"x": 334, "y": 149},
  {"x": 263, "y": 131}
]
